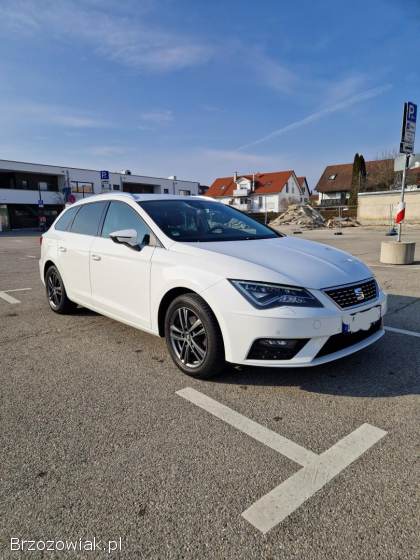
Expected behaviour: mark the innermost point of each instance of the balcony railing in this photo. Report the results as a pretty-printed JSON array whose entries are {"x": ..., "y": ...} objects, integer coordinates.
[
  {"x": 241, "y": 192},
  {"x": 332, "y": 202}
]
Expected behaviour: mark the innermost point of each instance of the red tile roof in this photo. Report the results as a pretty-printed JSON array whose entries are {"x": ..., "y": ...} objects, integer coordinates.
[
  {"x": 264, "y": 183},
  {"x": 378, "y": 172}
]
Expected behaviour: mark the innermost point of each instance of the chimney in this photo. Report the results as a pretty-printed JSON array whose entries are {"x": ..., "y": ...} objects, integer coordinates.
[
  {"x": 235, "y": 176},
  {"x": 253, "y": 183}
]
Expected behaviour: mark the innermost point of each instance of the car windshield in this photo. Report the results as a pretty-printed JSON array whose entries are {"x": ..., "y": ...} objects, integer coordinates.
[{"x": 201, "y": 221}]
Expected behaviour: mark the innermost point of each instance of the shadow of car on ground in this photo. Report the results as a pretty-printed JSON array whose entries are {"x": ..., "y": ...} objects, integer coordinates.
[{"x": 388, "y": 368}]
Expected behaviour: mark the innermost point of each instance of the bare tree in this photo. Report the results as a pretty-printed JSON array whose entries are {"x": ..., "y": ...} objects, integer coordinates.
[{"x": 382, "y": 176}]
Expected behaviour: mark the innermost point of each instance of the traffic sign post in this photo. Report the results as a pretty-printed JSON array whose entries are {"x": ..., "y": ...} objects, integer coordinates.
[{"x": 408, "y": 135}]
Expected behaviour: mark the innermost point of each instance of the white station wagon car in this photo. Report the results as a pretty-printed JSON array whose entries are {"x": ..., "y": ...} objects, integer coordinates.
[{"x": 218, "y": 285}]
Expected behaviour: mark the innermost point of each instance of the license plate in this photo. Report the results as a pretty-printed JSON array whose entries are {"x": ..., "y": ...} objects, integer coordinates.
[{"x": 361, "y": 321}]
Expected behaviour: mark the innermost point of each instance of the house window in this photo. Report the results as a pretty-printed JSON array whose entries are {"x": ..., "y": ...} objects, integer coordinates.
[
  {"x": 183, "y": 192},
  {"x": 332, "y": 177},
  {"x": 116, "y": 187},
  {"x": 260, "y": 201},
  {"x": 81, "y": 187},
  {"x": 165, "y": 191},
  {"x": 287, "y": 187}
]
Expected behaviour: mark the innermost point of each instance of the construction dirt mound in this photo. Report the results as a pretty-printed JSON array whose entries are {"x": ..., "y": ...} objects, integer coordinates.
[
  {"x": 302, "y": 215},
  {"x": 334, "y": 223}
]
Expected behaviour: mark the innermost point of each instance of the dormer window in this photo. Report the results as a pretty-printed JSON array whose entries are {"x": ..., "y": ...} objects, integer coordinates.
[{"x": 332, "y": 177}]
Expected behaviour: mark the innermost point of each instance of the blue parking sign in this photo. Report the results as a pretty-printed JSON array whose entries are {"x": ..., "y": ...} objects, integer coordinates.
[{"x": 104, "y": 175}]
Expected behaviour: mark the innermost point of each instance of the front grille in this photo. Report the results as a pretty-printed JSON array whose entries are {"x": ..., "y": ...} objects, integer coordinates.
[
  {"x": 356, "y": 294},
  {"x": 341, "y": 341}
]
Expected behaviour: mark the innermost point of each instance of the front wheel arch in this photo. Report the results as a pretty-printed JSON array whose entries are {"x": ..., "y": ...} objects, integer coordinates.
[
  {"x": 166, "y": 302},
  {"x": 48, "y": 264}
]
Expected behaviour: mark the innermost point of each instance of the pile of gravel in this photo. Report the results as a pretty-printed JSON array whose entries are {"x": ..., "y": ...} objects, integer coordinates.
[{"x": 302, "y": 215}]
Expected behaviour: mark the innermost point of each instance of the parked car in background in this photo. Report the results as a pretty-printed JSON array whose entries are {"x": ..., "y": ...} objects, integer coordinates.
[{"x": 218, "y": 285}]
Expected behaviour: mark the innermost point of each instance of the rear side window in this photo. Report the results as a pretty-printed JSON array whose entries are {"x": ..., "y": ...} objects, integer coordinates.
[
  {"x": 122, "y": 216},
  {"x": 66, "y": 218},
  {"x": 88, "y": 218}
]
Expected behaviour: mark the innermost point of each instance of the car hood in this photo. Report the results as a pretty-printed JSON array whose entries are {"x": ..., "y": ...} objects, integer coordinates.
[{"x": 298, "y": 262}]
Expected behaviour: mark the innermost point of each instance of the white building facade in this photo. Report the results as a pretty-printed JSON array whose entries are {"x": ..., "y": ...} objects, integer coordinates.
[
  {"x": 260, "y": 193},
  {"x": 33, "y": 194}
]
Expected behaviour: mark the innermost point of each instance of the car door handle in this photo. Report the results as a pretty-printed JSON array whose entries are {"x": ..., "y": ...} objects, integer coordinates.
[
  {"x": 62, "y": 249},
  {"x": 96, "y": 258}
]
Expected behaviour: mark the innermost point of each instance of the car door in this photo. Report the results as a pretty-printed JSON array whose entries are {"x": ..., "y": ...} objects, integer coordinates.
[
  {"x": 73, "y": 250},
  {"x": 120, "y": 275}
]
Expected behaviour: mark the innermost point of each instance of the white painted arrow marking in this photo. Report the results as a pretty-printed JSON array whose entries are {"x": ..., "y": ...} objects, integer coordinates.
[{"x": 317, "y": 470}]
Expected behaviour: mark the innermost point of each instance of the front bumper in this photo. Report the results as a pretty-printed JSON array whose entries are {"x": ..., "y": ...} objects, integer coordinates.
[{"x": 241, "y": 326}]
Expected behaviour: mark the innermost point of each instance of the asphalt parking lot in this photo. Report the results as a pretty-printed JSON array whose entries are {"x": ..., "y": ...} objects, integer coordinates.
[{"x": 100, "y": 438}]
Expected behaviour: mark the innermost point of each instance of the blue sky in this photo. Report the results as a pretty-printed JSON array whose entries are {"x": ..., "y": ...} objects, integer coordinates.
[{"x": 201, "y": 88}]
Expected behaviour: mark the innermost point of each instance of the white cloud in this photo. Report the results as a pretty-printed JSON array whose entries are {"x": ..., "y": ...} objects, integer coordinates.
[
  {"x": 124, "y": 39},
  {"x": 345, "y": 87},
  {"x": 157, "y": 117},
  {"x": 107, "y": 151},
  {"x": 238, "y": 160},
  {"x": 49, "y": 114},
  {"x": 316, "y": 116},
  {"x": 272, "y": 73}
]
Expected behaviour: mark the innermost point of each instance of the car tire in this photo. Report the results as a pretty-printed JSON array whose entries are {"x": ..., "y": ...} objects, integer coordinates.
[
  {"x": 56, "y": 292},
  {"x": 193, "y": 337}
]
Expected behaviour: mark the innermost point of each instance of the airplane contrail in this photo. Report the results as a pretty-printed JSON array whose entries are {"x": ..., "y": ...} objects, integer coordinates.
[{"x": 353, "y": 100}]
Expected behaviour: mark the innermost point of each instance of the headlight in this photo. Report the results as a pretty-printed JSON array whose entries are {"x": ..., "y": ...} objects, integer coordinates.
[{"x": 265, "y": 296}]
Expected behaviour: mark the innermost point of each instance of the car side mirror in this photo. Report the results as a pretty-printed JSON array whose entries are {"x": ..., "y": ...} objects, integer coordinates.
[{"x": 126, "y": 237}]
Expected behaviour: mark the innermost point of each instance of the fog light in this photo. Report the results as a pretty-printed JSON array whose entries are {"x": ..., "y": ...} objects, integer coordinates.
[
  {"x": 276, "y": 342},
  {"x": 276, "y": 348}
]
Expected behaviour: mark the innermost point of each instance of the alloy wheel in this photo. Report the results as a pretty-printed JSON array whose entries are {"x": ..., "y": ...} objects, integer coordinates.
[
  {"x": 188, "y": 337},
  {"x": 54, "y": 289}
]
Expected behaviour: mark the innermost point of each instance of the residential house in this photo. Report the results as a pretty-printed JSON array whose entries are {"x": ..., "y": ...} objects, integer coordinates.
[
  {"x": 304, "y": 186},
  {"x": 334, "y": 186},
  {"x": 260, "y": 192}
]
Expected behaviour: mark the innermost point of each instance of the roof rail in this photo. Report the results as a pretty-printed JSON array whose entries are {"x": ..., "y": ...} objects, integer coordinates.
[{"x": 114, "y": 193}]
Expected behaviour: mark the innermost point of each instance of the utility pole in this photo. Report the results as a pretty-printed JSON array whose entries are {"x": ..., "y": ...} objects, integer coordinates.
[
  {"x": 408, "y": 135},
  {"x": 401, "y": 206}
]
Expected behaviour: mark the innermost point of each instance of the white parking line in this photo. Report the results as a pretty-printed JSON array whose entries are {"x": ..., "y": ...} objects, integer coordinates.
[
  {"x": 402, "y": 331},
  {"x": 275, "y": 506},
  {"x": 10, "y": 299},
  {"x": 272, "y": 439},
  {"x": 400, "y": 266},
  {"x": 317, "y": 470}
]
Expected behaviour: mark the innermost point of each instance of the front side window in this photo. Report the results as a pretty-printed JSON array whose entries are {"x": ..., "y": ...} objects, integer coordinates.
[
  {"x": 66, "y": 218},
  {"x": 183, "y": 192},
  {"x": 198, "y": 220},
  {"x": 121, "y": 216},
  {"x": 88, "y": 218}
]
